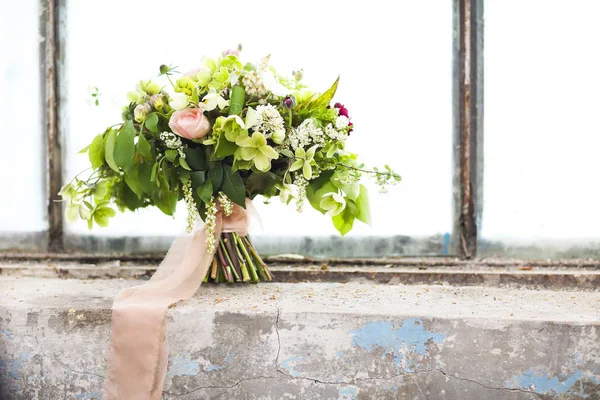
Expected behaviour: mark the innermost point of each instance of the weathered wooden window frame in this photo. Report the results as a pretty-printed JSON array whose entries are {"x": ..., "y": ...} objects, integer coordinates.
[{"x": 467, "y": 103}]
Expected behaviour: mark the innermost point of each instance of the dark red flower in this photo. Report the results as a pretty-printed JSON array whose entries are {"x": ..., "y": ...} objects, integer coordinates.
[
  {"x": 350, "y": 124},
  {"x": 341, "y": 110}
]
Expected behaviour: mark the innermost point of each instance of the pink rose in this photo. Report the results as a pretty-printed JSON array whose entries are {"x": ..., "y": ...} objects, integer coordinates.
[
  {"x": 189, "y": 123},
  {"x": 231, "y": 52}
]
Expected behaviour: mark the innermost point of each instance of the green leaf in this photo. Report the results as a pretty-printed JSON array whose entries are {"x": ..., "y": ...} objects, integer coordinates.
[
  {"x": 223, "y": 148},
  {"x": 205, "y": 191},
  {"x": 324, "y": 99},
  {"x": 343, "y": 222},
  {"x": 233, "y": 186},
  {"x": 215, "y": 174},
  {"x": 124, "y": 148},
  {"x": 85, "y": 149},
  {"x": 152, "y": 122},
  {"x": 166, "y": 201},
  {"x": 102, "y": 214},
  {"x": 143, "y": 147},
  {"x": 195, "y": 98},
  {"x": 154, "y": 172},
  {"x": 109, "y": 149},
  {"x": 352, "y": 191},
  {"x": 96, "y": 151},
  {"x": 198, "y": 178},
  {"x": 363, "y": 211},
  {"x": 184, "y": 164},
  {"x": 237, "y": 99},
  {"x": 132, "y": 180},
  {"x": 130, "y": 199},
  {"x": 317, "y": 188},
  {"x": 144, "y": 177},
  {"x": 195, "y": 158},
  {"x": 171, "y": 154},
  {"x": 259, "y": 182}
]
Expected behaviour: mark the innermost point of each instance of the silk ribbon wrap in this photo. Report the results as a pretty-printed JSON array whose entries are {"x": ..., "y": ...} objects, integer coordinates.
[{"x": 138, "y": 354}]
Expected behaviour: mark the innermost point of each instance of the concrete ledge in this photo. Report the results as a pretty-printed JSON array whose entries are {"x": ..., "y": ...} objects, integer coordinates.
[
  {"x": 568, "y": 278},
  {"x": 313, "y": 341}
]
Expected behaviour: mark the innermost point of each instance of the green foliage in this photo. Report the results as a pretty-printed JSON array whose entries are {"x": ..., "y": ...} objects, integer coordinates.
[
  {"x": 363, "y": 210},
  {"x": 343, "y": 222},
  {"x": 109, "y": 148},
  {"x": 237, "y": 99},
  {"x": 124, "y": 148},
  {"x": 96, "y": 151},
  {"x": 195, "y": 158},
  {"x": 260, "y": 182},
  {"x": 324, "y": 99},
  {"x": 143, "y": 147},
  {"x": 151, "y": 122},
  {"x": 233, "y": 186},
  {"x": 317, "y": 188},
  {"x": 215, "y": 174}
]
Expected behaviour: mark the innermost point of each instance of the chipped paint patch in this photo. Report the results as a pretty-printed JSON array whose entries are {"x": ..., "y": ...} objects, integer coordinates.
[
  {"x": 230, "y": 357},
  {"x": 212, "y": 368},
  {"x": 14, "y": 367},
  {"x": 541, "y": 382},
  {"x": 93, "y": 395},
  {"x": 410, "y": 337},
  {"x": 339, "y": 354},
  {"x": 8, "y": 333},
  {"x": 349, "y": 392},
  {"x": 290, "y": 364},
  {"x": 183, "y": 366}
]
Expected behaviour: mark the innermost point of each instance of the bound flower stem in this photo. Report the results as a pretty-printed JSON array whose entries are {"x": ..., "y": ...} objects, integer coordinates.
[{"x": 236, "y": 260}]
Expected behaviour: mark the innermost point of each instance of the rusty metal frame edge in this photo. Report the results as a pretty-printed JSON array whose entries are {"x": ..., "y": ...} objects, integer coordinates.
[
  {"x": 51, "y": 98},
  {"x": 467, "y": 102}
]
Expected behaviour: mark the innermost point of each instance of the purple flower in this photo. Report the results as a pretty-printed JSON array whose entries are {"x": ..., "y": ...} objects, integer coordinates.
[
  {"x": 342, "y": 110},
  {"x": 288, "y": 102}
]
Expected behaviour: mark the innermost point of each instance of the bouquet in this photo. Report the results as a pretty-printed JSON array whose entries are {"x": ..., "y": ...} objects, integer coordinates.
[{"x": 219, "y": 135}]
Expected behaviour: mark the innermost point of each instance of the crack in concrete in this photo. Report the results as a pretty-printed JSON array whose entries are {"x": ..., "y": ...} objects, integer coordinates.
[
  {"x": 485, "y": 386},
  {"x": 278, "y": 338}
]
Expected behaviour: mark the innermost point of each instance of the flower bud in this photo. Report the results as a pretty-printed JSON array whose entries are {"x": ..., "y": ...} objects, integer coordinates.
[
  {"x": 298, "y": 74},
  {"x": 289, "y": 102},
  {"x": 157, "y": 101},
  {"x": 278, "y": 137},
  {"x": 133, "y": 96},
  {"x": 141, "y": 112}
]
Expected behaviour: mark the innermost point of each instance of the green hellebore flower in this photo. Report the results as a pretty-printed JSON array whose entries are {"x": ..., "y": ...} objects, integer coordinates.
[
  {"x": 233, "y": 126},
  {"x": 334, "y": 203},
  {"x": 256, "y": 149},
  {"x": 304, "y": 161}
]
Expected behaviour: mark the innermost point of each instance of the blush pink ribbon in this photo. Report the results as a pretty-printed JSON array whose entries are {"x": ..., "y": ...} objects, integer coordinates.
[{"x": 139, "y": 350}]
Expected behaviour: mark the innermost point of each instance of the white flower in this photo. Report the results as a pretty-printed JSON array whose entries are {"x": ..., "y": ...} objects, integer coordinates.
[
  {"x": 334, "y": 134},
  {"x": 171, "y": 140},
  {"x": 179, "y": 101},
  {"x": 214, "y": 99},
  {"x": 288, "y": 192},
  {"x": 334, "y": 203},
  {"x": 341, "y": 122},
  {"x": 270, "y": 122},
  {"x": 273, "y": 85}
]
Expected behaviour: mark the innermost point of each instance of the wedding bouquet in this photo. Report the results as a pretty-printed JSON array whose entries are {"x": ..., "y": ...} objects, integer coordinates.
[{"x": 217, "y": 136}]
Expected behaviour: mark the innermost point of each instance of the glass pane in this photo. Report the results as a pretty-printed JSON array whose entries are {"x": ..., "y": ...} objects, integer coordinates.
[
  {"x": 541, "y": 121},
  {"x": 22, "y": 154},
  {"x": 395, "y": 66}
]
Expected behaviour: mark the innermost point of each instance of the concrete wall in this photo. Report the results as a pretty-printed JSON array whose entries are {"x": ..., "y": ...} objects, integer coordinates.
[{"x": 314, "y": 341}]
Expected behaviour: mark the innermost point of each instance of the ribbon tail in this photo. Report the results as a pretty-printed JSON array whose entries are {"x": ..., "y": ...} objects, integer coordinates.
[{"x": 138, "y": 354}]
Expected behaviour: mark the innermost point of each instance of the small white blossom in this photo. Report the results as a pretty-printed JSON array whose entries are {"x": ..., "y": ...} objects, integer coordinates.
[
  {"x": 334, "y": 134},
  {"x": 270, "y": 122},
  {"x": 171, "y": 140},
  {"x": 254, "y": 85},
  {"x": 214, "y": 99},
  {"x": 341, "y": 122}
]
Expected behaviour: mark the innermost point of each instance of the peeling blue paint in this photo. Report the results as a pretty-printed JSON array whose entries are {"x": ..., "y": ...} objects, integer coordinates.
[
  {"x": 230, "y": 357},
  {"x": 212, "y": 368},
  {"x": 290, "y": 365},
  {"x": 339, "y": 354},
  {"x": 92, "y": 395},
  {"x": 348, "y": 392},
  {"x": 8, "y": 333},
  {"x": 183, "y": 366},
  {"x": 395, "y": 388},
  {"x": 411, "y": 337},
  {"x": 543, "y": 383},
  {"x": 15, "y": 366}
]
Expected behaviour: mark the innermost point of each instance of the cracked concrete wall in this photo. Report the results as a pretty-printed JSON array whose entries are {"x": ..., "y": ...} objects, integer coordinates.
[{"x": 288, "y": 351}]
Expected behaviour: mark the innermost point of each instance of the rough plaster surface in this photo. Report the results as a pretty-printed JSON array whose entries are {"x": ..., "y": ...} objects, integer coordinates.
[{"x": 313, "y": 341}]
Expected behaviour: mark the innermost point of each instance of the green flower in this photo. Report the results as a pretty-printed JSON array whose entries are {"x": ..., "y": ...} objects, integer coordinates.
[
  {"x": 334, "y": 203},
  {"x": 304, "y": 161},
  {"x": 234, "y": 128},
  {"x": 256, "y": 149}
]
